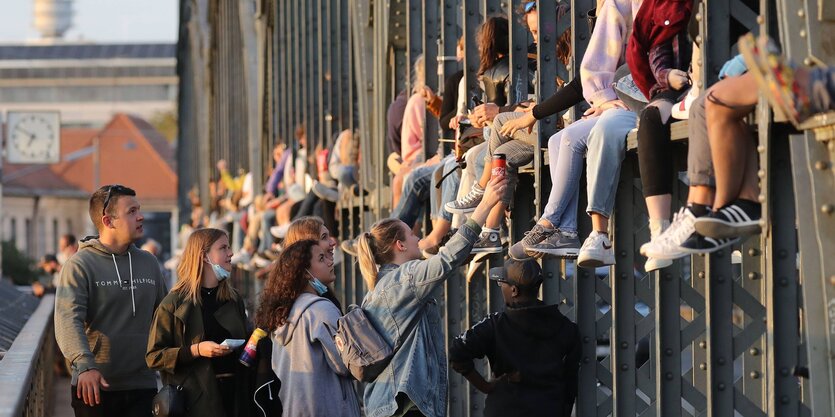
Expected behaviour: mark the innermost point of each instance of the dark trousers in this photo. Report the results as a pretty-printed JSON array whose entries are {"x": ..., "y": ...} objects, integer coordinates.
[{"x": 128, "y": 403}]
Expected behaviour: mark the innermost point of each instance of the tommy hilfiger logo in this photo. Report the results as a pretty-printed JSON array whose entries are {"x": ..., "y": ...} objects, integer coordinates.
[{"x": 125, "y": 283}]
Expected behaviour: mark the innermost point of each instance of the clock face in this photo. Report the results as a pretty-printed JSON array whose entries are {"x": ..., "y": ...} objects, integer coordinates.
[{"x": 34, "y": 137}]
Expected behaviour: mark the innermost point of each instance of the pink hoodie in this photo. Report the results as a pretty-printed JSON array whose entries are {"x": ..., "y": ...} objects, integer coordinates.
[{"x": 411, "y": 134}]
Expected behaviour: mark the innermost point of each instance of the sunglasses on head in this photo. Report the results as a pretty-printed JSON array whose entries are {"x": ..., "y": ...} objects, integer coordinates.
[
  {"x": 530, "y": 6},
  {"x": 112, "y": 191}
]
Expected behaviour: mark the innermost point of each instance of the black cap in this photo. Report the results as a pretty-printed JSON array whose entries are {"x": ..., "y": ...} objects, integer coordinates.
[
  {"x": 48, "y": 258},
  {"x": 518, "y": 273}
]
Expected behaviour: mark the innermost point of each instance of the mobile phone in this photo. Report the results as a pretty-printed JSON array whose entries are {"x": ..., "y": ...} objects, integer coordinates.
[{"x": 233, "y": 343}]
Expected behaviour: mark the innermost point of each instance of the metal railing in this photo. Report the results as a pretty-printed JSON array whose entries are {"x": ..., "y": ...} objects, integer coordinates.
[{"x": 26, "y": 370}]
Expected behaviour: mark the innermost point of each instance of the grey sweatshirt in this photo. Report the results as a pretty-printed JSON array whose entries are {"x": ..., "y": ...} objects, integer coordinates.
[
  {"x": 314, "y": 380},
  {"x": 104, "y": 305}
]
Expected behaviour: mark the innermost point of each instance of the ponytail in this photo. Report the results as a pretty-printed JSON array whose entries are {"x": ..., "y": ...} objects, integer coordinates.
[
  {"x": 375, "y": 248},
  {"x": 365, "y": 255}
]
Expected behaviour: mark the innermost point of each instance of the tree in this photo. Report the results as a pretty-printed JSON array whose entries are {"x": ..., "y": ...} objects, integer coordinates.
[
  {"x": 17, "y": 265},
  {"x": 165, "y": 122}
]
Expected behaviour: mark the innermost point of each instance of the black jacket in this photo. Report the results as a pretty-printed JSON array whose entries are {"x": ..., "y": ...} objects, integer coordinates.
[{"x": 537, "y": 351}]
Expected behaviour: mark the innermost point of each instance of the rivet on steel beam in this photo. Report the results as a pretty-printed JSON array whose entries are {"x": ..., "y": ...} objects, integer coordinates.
[
  {"x": 624, "y": 367},
  {"x": 822, "y": 165},
  {"x": 761, "y": 173},
  {"x": 586, "y": 360},
  {"x": 832, "y": 280},
  {"x": 784, "y": 282},
  {"x": 802, "y": 33},
  {"x": 720, "y": 279},
  {"x": 720, "y": 361},
  {"x": 760, "y": 148},
  {"x": 753, "y": 252},
  {"x": 827, "y": 208},
  {"x": 720, "y": 253},
  {"x": 801, "y": 13},
  {"x": 550, "y": 275},
  {"x": 784, "y": 399},
  {"x": 703, "y": 344},
  {"x": 781, "y": 253},
  {"x": 698, "y": 19},
  {"x": 668, "y": 376},
  {"x": 583, "y": 37},
  {"x": 754, "y": 375},
  {"x": 754, "y": 351},
  {"x": 721, "y": 386},
  {"x": 761, "y": 198},
  {"x": 760, "y": 19},
  {"x": 702, "y": 274},
  {"x": 622, "y": 253},
  {"x": 753, "y": 276},
  {"x": 808, "y": 61},
  {"x": 703, "y": 366},
  {"x": 586, "y": 339},
  {"x": 668, "y": 352},
  {"x": 624, "y": 276},
  {"x": 784, "y": 371},
  {"x": 624, "y": 345}
]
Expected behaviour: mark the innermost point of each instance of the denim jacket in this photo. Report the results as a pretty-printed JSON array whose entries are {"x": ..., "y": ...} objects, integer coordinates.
[{"x": 403, "y": 308}]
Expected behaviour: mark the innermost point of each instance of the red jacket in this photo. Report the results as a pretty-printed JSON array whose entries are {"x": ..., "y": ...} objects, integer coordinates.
[{"x": 659, "y": 29}]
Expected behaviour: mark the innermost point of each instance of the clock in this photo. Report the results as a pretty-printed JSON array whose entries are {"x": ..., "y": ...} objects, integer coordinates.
[{"x": 33, "y": 137}]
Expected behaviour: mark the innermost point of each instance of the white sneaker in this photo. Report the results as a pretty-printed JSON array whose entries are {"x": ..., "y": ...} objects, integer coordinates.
[
  {"x": 667, "y": 246},
  {"x": 681, "y": 110},
  {"x": 597, "y": 251},
  {"x": 241, "y": 258},
  {"x": 280, "y": 231},
  {"x": 653, "y": 264},
  {"x": 261, "y": 262}
]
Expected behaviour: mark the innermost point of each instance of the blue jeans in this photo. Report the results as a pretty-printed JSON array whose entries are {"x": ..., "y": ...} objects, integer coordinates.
[
  {"x": 267, "y": 221},
  {"x": 238, "y": 234},
  {"x": 566, "y": 150},
  {"x": 606, "y": 150},
  {"x": 415, "y": 194},
  {"x": 449, "y": 188}
]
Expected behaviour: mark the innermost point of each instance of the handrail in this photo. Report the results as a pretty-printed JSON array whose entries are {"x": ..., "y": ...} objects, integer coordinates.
[{"x": 18, "y": 367}]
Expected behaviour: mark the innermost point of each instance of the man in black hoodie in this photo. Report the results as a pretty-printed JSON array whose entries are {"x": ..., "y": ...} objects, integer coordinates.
[
  {"x": 534, "y": 351},
  {"x": 104, "y": 305}
]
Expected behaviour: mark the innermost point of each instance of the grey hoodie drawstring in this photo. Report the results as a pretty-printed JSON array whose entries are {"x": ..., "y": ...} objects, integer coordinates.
[{"x": 119, "y": 276}]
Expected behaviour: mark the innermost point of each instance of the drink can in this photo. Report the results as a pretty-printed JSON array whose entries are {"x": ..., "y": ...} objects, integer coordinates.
[
  {"x": 248, "y": 355},
  {"x": 499, "y": 165}
]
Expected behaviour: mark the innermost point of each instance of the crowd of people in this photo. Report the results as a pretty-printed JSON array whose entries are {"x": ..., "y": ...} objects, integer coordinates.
[{"x": 119, "y": 326}]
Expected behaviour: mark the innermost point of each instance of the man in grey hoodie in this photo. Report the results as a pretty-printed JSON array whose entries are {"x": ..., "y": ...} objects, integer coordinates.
[{"x": 104, "y": 305}]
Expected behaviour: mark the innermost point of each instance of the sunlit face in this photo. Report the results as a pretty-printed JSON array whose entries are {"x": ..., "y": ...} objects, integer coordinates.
[
  {"x": 459, "y": 52},
  {"x": 321, "y": 266},
  {"x": 410, "y": 245},
  {"x": 326, "y": 241},
  {"x": 126, "y": 220},
  {"x": 221, "y": 253},
  {"x": 533, "y": 23}
]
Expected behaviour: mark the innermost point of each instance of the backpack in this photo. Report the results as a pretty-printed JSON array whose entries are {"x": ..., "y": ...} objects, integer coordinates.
[
  {"x": 363, "y": 350},
  {"x": 265, "y": 401}
]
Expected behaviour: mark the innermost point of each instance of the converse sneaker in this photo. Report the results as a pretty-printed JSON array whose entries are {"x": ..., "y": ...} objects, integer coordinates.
[
  {"x": 560, "y": 244},
  {"x": 488, "y": 242},
  {"x": 698, "y": 244},
  {"x": 667, "y": 245},
  {"x": 468, "y": 203},
  {"x": 597, "y": 251},
  {"x": 349, "y": 247},
  {"x": 532, "y": 237},
  {"x": 739, "y": 218}
]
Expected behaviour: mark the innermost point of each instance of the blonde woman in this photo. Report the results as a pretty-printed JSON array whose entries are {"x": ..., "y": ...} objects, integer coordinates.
[
  {"x": 400, "y": 305},
  {"x": 190, "y": 324}
]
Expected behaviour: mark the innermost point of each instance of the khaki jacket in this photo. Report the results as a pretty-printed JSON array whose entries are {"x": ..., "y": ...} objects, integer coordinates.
[{"x": 178, "y": 323}]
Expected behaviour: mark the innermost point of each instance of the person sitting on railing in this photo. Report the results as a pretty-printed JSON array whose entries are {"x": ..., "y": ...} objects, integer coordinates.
[
  {"x": 533, "y": 350},
  {"x": 400, "y": 305},
  {"x": 680, "y": 238},
  {"x": 601, "y": 134},
  {"x": 103, "y": 318},
  {"x": 657, "y": 56},
  {"x": 292, "y": 309},
  {"x": 411, "y": 135},
  {"x": 188, "y": 339}
]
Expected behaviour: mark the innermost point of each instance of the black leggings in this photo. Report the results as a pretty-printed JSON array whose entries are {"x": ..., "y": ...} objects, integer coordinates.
[{"x": 655, "y": 155}]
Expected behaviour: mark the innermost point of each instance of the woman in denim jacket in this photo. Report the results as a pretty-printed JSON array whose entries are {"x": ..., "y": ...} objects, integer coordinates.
[{"x": 401, "y": 306}]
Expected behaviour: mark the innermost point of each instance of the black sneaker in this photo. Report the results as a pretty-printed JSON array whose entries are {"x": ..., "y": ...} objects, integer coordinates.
[
  {"x": 740, "y": 218},
  {"x": 698, "y": 244},
  {"x": 532, "y": 237},
  {"x": 560, "y": 244},
  {"x": 488, "y": 242}
]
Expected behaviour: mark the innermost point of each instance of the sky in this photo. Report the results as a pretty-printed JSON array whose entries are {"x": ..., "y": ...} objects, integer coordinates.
[{"x": 117, "y": 21}]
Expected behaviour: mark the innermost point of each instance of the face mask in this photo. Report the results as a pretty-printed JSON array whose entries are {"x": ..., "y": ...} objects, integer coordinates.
[
  {"x": 317, "y": 285},
  {"x": 220, "y": 273}
]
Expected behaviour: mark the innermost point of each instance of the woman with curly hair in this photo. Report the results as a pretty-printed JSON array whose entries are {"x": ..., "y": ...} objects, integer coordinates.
[
  {"x": 312, "y": 227},
  {"x": 314, "y": 380}
]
